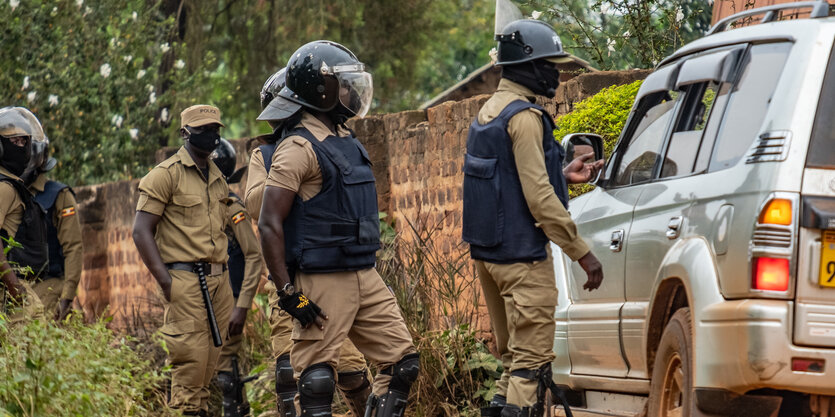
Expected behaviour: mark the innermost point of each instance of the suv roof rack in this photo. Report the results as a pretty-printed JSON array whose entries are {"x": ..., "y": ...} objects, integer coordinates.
[{"x": 819, "y": 9}]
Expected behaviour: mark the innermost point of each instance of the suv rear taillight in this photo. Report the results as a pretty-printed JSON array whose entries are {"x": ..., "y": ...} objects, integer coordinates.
[
  {"x": 772, "y": 246},
  {"x": 771, "y": 274}
]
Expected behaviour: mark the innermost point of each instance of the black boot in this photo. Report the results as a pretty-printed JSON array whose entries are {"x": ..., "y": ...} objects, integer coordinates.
[{"x": 495, "y": 407}]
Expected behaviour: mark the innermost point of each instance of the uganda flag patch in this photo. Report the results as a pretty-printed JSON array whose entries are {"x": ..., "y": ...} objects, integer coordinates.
[
  {"x": 67, "y": 212},
  {"x": 238, "y": 217}
]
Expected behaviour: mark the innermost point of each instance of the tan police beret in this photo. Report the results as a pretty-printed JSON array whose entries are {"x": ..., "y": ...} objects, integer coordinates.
[{"x": 200, "y": 115}]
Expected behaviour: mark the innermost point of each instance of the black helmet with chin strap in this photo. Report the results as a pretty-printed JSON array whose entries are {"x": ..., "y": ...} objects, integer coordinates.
[
  {"x": 40, "y": 161},
  {"x": 272, "y": 86},
  {"x": 225, "y": 157},
  {"x": 18, "y": 122},
  {"x": 527, "y": 40}
]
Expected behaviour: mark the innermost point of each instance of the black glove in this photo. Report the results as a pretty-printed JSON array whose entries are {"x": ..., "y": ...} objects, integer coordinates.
[{"x": 301, "y": 308}]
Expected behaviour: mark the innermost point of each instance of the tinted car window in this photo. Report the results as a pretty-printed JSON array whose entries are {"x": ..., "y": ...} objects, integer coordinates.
[
  {"x": 822, "y": 148},
  {"x": 684, "y": 143},
  {"x": 641, "y": 153},
  {"x": 748, "y": 103}
]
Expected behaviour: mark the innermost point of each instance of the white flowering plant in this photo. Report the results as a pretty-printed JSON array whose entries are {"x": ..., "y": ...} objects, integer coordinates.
[{"x": 85, "y": 71}]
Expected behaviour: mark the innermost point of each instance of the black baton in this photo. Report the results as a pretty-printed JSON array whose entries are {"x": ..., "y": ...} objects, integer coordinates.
[{"x": 207, "y": 301}]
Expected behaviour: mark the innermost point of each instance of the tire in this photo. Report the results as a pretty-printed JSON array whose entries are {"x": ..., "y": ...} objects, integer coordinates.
[{"x": 671, "y": 387}]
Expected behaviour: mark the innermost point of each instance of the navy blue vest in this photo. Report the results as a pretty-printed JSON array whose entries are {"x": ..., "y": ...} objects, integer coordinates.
[
  {"x": 267, "y": 152},
  {"x": 31, "y": 233},
  {"x": 46, "y": 199},
  {"x": 498, "y": 224},
  {"x": 237, "y": 261},
  {"x": 339, "y": 228}
]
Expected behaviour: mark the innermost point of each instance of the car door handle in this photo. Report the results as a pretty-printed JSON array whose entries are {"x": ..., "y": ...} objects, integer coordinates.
[
  {"x": 674, "y": 227},
  {"x": 617, "y": 241}
]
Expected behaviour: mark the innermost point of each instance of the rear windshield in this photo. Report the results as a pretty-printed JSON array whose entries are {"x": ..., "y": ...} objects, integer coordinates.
[{"x": 822, "y": 148}]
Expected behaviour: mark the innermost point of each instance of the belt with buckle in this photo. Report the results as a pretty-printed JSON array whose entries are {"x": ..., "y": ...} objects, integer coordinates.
[{"x": 211, "y": 269}]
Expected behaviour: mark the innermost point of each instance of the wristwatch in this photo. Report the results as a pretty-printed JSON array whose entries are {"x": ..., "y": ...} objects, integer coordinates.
[{"x": 287, "y": 290}]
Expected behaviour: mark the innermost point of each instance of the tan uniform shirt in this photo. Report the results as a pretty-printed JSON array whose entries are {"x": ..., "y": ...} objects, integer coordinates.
[
  {"x": 240, "y": 224},
  {"x": 256, "y": 176},
  {"x": 525, "y": 130},
  {"x": 192, "y": 210},
  {"x": 11, "y": 205},
  {"x": 295, "y": 166},
  {"x": 65, "y": 219}
]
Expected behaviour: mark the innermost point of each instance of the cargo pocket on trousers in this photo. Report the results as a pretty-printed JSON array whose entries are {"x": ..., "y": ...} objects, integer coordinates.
[
  {"x": 534, "y": 305},
  {"x": 483, "y": 217},
  {"x": 310, "y": 333}
]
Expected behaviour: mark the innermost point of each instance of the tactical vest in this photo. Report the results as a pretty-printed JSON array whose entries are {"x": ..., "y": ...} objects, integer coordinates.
[
  {"x": 338, "y": 229},
  {"x": 31, "y": 234},
  {"x": 497, "y": 222},
  {"x": 237, "y": 262},
  {"x": 46, "y": 199},
  {"x": 267, "y": 152}
]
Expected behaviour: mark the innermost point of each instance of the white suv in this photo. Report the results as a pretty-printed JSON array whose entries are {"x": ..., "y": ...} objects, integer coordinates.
[{"x": 714, "y": 220}]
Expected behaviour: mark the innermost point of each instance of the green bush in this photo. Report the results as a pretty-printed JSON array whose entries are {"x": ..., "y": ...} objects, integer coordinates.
[
  {"x": 605, "y": 114},
  {"x": 76, "y": 369}
]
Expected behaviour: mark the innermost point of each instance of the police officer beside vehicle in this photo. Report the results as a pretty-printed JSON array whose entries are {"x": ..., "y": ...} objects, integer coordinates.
[
  {"x": 515, "y": 200},
  {"x": 179, "y": 233},
  {"x": 320, "y": 233},
  {"x": 59, "y": 283},
  {"x": 244, "y": 273},
  {"x": 21, "y": 218},
  {"x": 353, "y": 377}
]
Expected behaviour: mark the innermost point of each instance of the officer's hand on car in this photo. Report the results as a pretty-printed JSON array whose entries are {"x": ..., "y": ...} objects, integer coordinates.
[
  {"x": 578, "y": 171},
  {"x": 303, "y": 309},
  {"x": 594, "y": 270},
  {"x": 236, "y": 322}
]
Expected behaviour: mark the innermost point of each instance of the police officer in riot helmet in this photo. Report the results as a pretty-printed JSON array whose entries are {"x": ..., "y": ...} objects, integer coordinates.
[
  {"x": 513, "y": 135},
  {"x": 21, "y": 218},
  {"x": 244, "y": 267},
  {"x": 321, "y": 252}
]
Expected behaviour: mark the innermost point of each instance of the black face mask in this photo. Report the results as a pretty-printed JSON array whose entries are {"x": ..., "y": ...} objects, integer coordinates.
[
  {"x": 539, "y": 76},
  {"x": 340, "y": 114},
  {"x": 206, "y": 140},
  {"x": 15, "y": 158}
]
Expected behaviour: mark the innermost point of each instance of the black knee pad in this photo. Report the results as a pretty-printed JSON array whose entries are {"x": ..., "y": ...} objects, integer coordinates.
[
  {"x": 316, "y": 388},
  {"x": 226, "y": 382},
  {"x": 403, "y": 374},
  {"x": 355, "y": 388},
  {"x": 285, "y": 386}
]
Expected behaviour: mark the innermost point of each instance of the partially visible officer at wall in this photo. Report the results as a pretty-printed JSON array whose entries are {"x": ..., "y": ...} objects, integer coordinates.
[
  {"x": 19, "y": 131},
  {"x": 179, "y": 230},
  {"x": 58, "y": 286},
  {"x": 320, "y": 233},
  {"x": 244, "y": 273},
  {"x": 511, "y": 148},
  {"x": 353, "y": 377}
]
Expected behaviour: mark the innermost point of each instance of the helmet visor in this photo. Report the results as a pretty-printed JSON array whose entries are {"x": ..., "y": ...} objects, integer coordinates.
[
  {"x": 355, "y": 91},
  {"x": 17, "y": 121}
]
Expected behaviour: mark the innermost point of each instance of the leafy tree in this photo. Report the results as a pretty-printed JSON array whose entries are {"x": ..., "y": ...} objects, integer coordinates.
[
  {"x": 622, "y": 34},
  {"x": 90, "y": 72}
]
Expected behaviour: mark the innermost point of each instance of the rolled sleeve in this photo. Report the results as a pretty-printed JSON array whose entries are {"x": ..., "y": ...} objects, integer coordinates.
[
  {"x": 525, "y": 130},
  {"x": 256, "y": 177}
]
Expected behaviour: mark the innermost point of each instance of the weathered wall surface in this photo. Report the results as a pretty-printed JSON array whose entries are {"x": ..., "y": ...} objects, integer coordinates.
[{"x": 417, "y": 157}]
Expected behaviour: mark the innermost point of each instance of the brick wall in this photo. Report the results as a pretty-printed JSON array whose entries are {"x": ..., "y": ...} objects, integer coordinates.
[{"x": 417, "y": 157}]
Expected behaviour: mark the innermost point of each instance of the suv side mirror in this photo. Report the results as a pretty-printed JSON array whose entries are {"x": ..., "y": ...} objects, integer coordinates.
[{"x": 577, "y": 144}]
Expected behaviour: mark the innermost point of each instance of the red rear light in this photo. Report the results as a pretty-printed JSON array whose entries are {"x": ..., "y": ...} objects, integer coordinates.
[
  {"x": 771, "y": 274},
  {"x": 808, "y": 365}
]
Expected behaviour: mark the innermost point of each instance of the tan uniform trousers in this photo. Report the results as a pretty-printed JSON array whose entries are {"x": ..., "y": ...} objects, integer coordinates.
[
  {"x": 32, "y": 306},
  {"x": 521, "y": 299},
  {"x": 49, "y": 291},
  {"x": 359, "y": 306},
  {"x": 191, "y": 353},
  {"x": 281, "y": 328}
]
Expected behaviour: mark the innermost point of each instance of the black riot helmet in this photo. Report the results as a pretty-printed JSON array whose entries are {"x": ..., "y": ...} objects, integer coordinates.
[
  {"x": 527, "y": 40},
  {"x": 225, "y": 157},
  {"x": 326, "y": 76},
  {"x": 272, "y": 86},
  {"x": 40, "y": 161}
]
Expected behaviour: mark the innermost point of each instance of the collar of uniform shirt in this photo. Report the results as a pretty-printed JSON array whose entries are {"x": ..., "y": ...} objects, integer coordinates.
[
  {"x": 6, "y": 172},
  {"x": 318, "y": 129},
  {"x": 507, "y": 86},
  {"x": 185, "y": 158}
]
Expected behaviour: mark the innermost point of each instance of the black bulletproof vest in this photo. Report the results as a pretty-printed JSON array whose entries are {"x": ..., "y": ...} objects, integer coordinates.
[
  {"x": 338, "y": 229},
  {"x": 46, "y": 199},
  {"x": 31, "y": 234},
  {"x": 237, "y": 262},
  {"x": 267, "y": 152},
  {"x": 498, "y": 224}
]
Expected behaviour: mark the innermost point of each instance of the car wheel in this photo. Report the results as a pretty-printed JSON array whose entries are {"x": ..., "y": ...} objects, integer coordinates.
[{"x": 671, "y": 388}]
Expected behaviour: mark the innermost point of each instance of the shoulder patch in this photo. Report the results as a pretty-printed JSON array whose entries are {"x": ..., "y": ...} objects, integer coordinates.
[
  {"x": 239, "y": 217},
  {"x": 67, "y": 212}
]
